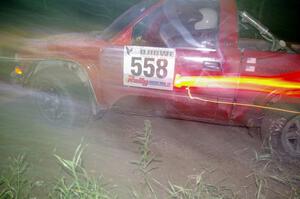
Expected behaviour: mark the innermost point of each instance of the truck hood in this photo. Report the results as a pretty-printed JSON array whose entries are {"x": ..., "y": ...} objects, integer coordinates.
[
  {"x": 73, "y": 36},
  {"x": 66, "y": 42}
]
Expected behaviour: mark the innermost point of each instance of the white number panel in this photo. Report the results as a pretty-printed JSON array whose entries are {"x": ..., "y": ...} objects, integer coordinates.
[{"x": 149, "y": 67}]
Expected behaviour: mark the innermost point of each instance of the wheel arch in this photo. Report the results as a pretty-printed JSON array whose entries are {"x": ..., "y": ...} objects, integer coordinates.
[
  {"x": 273, "y": 125},
  {"x": 278, "y": 100},
  {"x": 75, "y": 67}
]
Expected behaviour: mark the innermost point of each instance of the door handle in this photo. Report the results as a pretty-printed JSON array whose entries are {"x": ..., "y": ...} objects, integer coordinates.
[{"x": 211, "y": 66}]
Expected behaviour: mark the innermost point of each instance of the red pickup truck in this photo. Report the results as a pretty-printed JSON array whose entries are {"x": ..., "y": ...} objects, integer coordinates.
[{"x": 187, "y": 53}]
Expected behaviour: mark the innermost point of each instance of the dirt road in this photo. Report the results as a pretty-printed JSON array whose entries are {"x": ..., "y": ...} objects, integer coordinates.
[{"x": 225, "y": 154}]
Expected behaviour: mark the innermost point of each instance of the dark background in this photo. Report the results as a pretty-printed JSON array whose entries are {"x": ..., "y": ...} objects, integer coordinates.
[
  {"x": 51, "y": 16},
  {"x": 60, "y": 15}
]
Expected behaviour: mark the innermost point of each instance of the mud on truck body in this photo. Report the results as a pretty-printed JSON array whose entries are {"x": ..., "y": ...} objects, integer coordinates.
[{"x": 187, "y": 53}]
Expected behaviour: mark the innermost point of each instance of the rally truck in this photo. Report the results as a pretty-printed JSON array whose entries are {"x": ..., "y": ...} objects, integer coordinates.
[{"x": 189, "y": 54}]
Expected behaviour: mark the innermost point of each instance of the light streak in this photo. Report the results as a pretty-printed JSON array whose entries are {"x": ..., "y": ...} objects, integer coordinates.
[
  {"x": 2, "y": 58},
  {"x": 240, "y": 104},
  {"x": 270, "y": 85},
  {"x": 261, "y": 84},
  {"x": 200, "y": 81}
]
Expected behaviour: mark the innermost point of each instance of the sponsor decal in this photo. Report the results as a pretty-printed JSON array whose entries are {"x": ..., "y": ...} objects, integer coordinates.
[
  {"x": 149, "y": 67},
  {"x": 250, "y": 68},
  {"x": 251, "y": 60}
]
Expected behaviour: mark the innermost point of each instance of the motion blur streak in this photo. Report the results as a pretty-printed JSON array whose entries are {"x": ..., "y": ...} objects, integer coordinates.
[
  {"x": 240, "y": 104},
  {"x": 278, "y": 85}
]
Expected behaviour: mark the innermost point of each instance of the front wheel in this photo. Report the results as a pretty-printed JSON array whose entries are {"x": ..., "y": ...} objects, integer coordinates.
[{"x": 61, "y": 98}]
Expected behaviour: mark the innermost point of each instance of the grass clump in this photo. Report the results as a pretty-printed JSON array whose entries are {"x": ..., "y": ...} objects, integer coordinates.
[
  {"x": 146, "y": 160},
  {"x": 77, "y": 183},
  {"x": 198, "y": 190},
  {"x": 147, "y": 157},
  {"x": 195, "y": 188},
  {"x": 271, "y": 177},
  {"x": 13, "y": 183}
]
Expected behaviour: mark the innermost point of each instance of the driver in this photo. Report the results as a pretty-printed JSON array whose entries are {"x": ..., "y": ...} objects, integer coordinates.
[
  {"x": 208, "y": 21},
  {"x": 205, "y": 29},
  {"x": 191, "y": 29}
]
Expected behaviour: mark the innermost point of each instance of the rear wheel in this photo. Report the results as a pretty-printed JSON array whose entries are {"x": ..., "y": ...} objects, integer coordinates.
[
  {"x": 290, "y": 137},
  {"x": 61, "y": 98},
  {"x": 281, "y": 130}
]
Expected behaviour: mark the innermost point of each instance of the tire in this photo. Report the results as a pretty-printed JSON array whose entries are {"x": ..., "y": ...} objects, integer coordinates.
[
  {"x": 61, "y": 98},
  {"x": 281, "y": 131}
]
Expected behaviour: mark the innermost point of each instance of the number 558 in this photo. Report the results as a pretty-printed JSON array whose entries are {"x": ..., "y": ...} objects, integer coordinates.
[{"x": 149, "y": 67}]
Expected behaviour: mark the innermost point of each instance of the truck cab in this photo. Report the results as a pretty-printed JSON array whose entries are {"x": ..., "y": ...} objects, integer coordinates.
[{"x": 205, "y": 37}]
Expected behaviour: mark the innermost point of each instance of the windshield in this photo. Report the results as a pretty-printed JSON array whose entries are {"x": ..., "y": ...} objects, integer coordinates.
[{"x": 121, "y": 22}]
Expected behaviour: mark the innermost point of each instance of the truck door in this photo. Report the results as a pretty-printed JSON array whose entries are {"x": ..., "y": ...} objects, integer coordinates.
[
  {"x": 192, "y": 28},
  {"x": 195, "y": 31}
]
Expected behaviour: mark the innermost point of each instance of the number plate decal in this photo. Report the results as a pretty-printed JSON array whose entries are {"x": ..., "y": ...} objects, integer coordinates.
[{"x": 149, "y": 67}]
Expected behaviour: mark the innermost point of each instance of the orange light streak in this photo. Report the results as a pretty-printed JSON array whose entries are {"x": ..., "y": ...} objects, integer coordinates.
[
  {"x": 219, "y": 81},
  {"x": 240, "y": 104},
  {"x": 270, "y": 85},
  {"x": 261, "y": 84}
]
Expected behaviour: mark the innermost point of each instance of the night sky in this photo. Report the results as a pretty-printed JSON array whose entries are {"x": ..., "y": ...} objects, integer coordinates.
[{"x": 281, "y": 16}]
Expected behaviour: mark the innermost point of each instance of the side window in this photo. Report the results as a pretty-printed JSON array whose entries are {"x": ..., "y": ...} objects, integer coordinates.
[
  {"x": 180, "y": 24},
  {"x": 146, "y": 32}
]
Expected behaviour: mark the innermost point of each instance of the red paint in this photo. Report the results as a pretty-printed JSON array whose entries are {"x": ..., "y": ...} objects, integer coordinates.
[{"x": 103, "y": 62}]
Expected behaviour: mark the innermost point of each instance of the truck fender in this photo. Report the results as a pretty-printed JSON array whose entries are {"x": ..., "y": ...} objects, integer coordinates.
[{"x": 73, "y": 67}]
